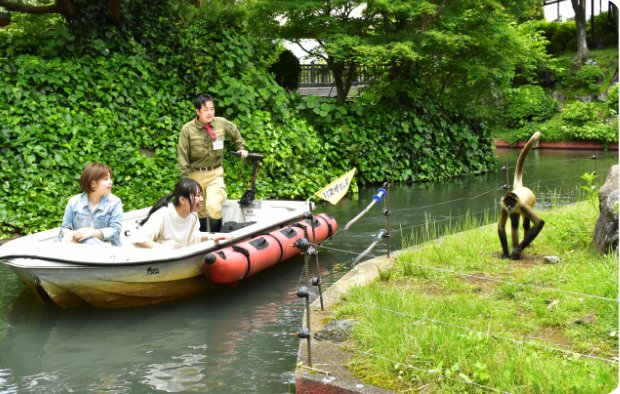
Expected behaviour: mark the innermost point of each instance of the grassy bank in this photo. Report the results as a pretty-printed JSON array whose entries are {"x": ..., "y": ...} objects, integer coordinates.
[{"x": 451, "y": 316}]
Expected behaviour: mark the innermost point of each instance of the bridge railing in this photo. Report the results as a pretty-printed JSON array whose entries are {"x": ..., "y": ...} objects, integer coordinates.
[{"x": 316, "y": 75}]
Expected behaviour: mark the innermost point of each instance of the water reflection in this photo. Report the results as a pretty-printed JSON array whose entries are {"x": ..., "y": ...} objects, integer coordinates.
[
  {"x": 241, "y": 339},
  {"x": 230, "y": 342}
]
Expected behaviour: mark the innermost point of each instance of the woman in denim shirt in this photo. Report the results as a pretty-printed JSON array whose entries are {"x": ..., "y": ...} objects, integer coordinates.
[{"x": 94, "y": 216}]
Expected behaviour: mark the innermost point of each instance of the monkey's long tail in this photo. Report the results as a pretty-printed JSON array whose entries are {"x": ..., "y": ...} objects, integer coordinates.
[{"x": 518, "y": 181}]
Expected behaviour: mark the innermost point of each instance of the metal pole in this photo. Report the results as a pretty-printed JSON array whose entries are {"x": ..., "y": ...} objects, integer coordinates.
[
  {"x": 382, "y": 233},
  {"x": 308, "y": 326},
  {"x": 313, "y": 250},
  {"x": 387, "y": 215},
  {"x": 304, "y": 333}
]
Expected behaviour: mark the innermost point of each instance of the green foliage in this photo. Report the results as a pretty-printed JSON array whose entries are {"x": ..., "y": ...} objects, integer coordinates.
[
  {"x": 418, "y": 143},
  {"x": 605, "y": 31},
  {"x": 527, "y": 104},
  {"x": 79, "y": 92},
  {"x": 456, "y": 54},
  {"x": 586, "y": 123},
  {"x": 59, "y": 113},
  {"x": 612, "y": 99},
  {"x": 589, "y": 76},
  {"x": 596, "y": 132},
  {"x": 560, "y": 36},
  {"x": 579, "y": 113},
  {"x": 591, "y": 188}
]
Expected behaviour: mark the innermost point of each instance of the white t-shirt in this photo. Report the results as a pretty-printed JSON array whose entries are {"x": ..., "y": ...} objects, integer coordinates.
[{"x": 166, "y": 225}]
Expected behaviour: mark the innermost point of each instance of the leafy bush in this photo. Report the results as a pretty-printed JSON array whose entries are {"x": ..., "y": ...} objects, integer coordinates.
[
  {"x": 560, "y": 75},
  {"x": 588, "y": 76},
  {"x": 420, "y": 142},
  {"x": 59, "y": 113},
  {"x": 595, "y": 132},
  {"x": 605, "y": 30},
  {"x": 561, "y": 36},
  {"x": 579, "y": 113},
  {"x": 527, "y": 104},
  {"x": 612, "y": 99},
  {"x": 578, "y": 122}
]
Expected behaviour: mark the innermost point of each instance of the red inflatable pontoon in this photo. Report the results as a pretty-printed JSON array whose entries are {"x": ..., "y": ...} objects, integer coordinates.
[{"x": 236, "y": 262}]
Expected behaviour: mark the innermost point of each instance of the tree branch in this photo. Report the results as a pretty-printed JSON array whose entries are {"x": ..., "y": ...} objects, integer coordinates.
[{"x": 64, "y": 7}]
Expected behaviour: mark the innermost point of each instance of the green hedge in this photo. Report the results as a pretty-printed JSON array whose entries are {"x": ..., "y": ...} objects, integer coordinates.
[
  {"x": 527, "y": 104},
  {"x": 416, "y": 143},
  {"x": 74, "y": 93}
]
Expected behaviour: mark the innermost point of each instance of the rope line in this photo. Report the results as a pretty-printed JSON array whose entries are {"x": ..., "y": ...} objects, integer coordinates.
[
  {"x": 447, "y": 202},
  {"x": 506, "y": 338},
  {"x": 496, "y": 280},
  {"x": 540, "y": 181},
  {"x": 573, "y": 293},
  {"x": 450, "y": 218}
]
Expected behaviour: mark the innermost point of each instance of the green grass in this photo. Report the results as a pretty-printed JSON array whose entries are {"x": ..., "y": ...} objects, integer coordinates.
[{"x": 438, "y": 324}]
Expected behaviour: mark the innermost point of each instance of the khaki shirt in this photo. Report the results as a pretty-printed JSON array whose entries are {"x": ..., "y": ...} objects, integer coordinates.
[{"x": 196, "y": 148}]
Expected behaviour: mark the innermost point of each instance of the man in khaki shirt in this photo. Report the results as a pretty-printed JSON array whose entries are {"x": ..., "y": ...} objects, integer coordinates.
[{"x": 200, "y": 154}]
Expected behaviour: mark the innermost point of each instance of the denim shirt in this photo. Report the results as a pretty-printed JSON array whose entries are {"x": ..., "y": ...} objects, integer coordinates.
[{"x": 107, "y": 217}]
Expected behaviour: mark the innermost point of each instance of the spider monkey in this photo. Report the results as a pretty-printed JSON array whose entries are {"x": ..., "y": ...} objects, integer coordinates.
[{"x": 519, "y": 203}]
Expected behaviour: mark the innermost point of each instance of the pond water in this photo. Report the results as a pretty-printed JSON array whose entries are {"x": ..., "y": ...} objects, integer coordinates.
[{"x": 241, "y": 340}]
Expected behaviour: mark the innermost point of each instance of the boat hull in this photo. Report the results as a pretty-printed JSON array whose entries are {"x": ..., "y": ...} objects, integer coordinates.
[
  {"x": 114, "y": 287},
  {"x": 71, "y": 275}
]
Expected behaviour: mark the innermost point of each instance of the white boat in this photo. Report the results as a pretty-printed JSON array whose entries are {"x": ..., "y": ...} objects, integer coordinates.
[{"x": 105, "y": 276}]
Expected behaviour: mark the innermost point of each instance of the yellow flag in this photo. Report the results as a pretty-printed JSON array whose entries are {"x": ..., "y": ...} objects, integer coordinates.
[{"x": 337, "y": 189}]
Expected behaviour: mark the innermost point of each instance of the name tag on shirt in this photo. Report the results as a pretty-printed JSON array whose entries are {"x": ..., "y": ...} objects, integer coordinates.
[{"x": 218, "y": 144}]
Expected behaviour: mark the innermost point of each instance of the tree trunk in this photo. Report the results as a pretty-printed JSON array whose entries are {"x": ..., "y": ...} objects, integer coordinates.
[
  {"x": 114, "y": 11},
  {"x": 579, "y": 6},
  {"x": 342, "y": 79}
]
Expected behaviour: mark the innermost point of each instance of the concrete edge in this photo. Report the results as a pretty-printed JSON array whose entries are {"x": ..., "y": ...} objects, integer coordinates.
[{"x": 326, "y": 372}]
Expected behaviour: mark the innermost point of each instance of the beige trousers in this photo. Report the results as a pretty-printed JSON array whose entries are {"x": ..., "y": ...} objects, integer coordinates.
[{"x": 213, "y": 190}]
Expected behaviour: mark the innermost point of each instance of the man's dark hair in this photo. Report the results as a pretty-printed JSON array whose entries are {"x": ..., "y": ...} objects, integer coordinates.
[{"x": 202, "y": 100}]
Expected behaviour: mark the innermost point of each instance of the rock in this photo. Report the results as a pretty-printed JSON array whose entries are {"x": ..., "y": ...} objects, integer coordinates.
[
  {"x": 585, "y": 320},
  {"x": 552, "y": 259},
  {"x": 585, "y": 99},
  {"x": 335, "y": 330},
  {"x": 606, "y": 228},
  {"x": 559, "y": 96}
]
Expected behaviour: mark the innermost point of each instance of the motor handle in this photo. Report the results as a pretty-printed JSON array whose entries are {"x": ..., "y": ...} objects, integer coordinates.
[{"x": 251, "y": 156}]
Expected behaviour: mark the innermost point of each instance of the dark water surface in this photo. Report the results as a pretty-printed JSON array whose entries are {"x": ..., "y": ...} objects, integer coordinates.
[{"x": 241, "y": 340}]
